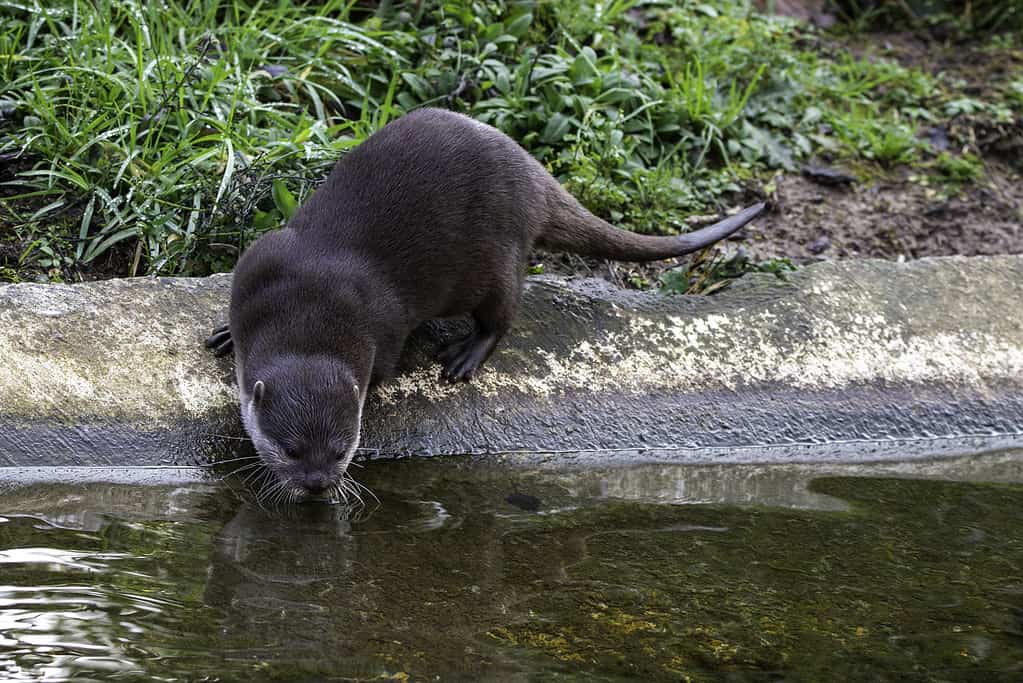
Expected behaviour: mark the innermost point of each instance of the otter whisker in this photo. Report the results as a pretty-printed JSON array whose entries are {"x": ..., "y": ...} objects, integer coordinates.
[
  {"x": 230, "y": 436},
  {"x": 349, "y": 496},
  {"x": 230, "y": 460},
  {"x": 341, "y": 492},
  {"x": 364, "y": 488},
  {"x": 263, "y": 487},
  {"x": 354, "y": 482},
  {"x": 257, "y": 471},
  {"x": 259, "y": 500},
  {"x": 241, "y": 466},
  {"x": 281, "y": 496},
  {"x": 352, "y": 494},
  {"x": 260, "y": 481},
  {"x": 332, "y": 492},
  {"x": 267, "y": 483},
  {"x": 237, "y": 472},
  {"x": 354, "y": 491},
  {"x": 334, "y": 496},
  {"x": 281, "y": 492},
  {"x": 246, "y": 468}
]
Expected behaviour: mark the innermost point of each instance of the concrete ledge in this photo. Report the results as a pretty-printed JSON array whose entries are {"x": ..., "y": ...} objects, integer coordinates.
[{"x": 861, "y": 353}]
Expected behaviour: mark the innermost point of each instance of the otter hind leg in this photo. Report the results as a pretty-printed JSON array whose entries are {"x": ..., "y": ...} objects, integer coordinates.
[
  {"x": 220, "y": 341},
  {"x": 462, "y": 357}
]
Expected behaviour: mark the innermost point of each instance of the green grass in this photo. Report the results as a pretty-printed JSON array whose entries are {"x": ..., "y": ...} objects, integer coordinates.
[
  {"x": 164, "y": 137},
  {"x": 151, "y": 131},
  {"x": 957, "y": 170},
  {"x": 887, "y": 140}
]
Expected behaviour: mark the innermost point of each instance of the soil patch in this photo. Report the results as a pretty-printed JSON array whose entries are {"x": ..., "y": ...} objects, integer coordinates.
[
  {"x": 896, "y": 218},
  {"x": 984, "y": 66},
  {"x": 907, "y": 214}
]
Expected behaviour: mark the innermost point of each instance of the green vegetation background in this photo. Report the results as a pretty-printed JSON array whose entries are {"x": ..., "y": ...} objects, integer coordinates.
[{"x": 162, "y": 137}]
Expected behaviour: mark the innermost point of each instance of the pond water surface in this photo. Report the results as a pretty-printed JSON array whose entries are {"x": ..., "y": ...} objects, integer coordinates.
[{"x": 473, "y": 571}]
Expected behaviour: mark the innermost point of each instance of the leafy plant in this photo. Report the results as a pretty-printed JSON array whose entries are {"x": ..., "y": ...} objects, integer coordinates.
[
  {"x": 710, "y": 274},
  {"x": 156, "y": 130},
  {"x": 959, "y": 169},
  {"x": 164, "y": 137},
  {"x": 886, "y": 141}
]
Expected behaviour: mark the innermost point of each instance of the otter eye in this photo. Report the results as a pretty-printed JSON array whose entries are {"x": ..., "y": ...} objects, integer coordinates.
[
  {"x": 292, "y": 454},
  {"x": 337, "y": 449}
]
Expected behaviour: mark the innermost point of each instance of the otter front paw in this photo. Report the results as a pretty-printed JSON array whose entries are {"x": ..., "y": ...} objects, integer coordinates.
[{"x": 220, "y": 341}]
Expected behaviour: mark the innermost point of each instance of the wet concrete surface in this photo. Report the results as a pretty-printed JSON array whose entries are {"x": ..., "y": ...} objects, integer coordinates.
[{"x": 927, "y": 355}]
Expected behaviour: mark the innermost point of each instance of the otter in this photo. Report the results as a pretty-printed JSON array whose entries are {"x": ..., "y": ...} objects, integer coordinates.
[{"x": 432, "y": 216}]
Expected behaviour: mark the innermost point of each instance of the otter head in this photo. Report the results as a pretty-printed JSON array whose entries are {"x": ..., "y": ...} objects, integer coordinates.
[{"x": 303, "y": 415}]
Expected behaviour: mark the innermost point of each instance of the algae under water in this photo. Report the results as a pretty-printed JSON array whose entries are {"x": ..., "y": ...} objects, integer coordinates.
[{"x": 658, "y": 572}]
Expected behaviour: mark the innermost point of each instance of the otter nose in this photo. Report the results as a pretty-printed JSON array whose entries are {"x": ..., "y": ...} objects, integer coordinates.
[{"x": 315, "y": 482}]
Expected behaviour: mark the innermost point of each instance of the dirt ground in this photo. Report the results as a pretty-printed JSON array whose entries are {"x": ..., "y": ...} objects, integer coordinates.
[
  {"x": 894, "y": 218},
  {"x": 904, "y": 214},
  {"x": 900, "y": 217}
]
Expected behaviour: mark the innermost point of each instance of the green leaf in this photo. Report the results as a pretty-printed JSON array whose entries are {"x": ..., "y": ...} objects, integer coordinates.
[
  {"x": 768, "y": 147},
  {"x": 98, "y": 246},
  {"x": 67, "y": 174},
  {"x": 406, "y": 100},
  {"x": 225, "y": 180},
  {"x": 83, "y": 229},
  {"x": 418, "y": 84},
  {"x": 520, "y": 25},
  {"x": 265, "y": 220},
  {"x": 283, "y": 199},
  {"x": 584, "y": 68},
  {"x": 502, "y": 82},
  {"x": 492, "y": 31},
  {"x": 46, "y": 209},
  {"x": 556, "y": 128}
]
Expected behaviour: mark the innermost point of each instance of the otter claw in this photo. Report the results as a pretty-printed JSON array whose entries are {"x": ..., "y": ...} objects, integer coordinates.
[
  {"x": 454, "y": 356},
  {"x": 220, "y": 341},
  {"x": 463, "y": 357}
]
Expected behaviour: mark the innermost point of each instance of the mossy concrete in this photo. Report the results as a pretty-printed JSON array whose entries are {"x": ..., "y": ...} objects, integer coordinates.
[{"x": 846, "y": 360}]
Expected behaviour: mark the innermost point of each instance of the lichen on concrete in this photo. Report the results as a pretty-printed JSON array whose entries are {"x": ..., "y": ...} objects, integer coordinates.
[
  {"x": 840, "y": 350},
  {"x": 125, "y": 350},
  {"x": 831, "y": 334}
]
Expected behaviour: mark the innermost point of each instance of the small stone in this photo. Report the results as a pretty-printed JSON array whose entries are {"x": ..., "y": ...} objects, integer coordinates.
[
  {"x": 274, "y": 70},
  {"x": 827, "y": 176},
  {"x": 819, "y": 245},
  {"x": 938, "y": 138}
]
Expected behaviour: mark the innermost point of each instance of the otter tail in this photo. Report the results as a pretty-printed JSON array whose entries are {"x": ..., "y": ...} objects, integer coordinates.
[{"x": 572, "y": 228}]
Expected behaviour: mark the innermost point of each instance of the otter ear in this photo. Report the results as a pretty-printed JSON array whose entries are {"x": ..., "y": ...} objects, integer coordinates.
[{"x": 257, "y": 392}]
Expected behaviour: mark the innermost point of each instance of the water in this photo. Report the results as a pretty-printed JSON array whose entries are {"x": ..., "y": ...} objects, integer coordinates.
[{"x": 473, "y": 571}]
